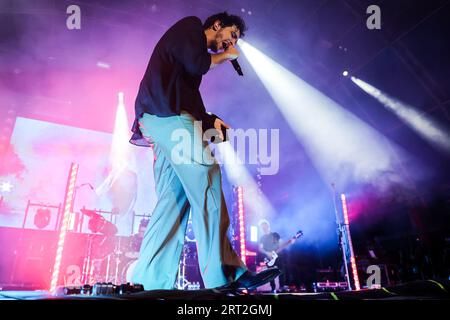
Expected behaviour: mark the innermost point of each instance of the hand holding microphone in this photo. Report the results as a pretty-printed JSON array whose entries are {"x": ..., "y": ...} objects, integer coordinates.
[
  {"x": 237, "y": 67},
  {"x": 221, "y": 127},
  {"x": 233, "y": 53}
]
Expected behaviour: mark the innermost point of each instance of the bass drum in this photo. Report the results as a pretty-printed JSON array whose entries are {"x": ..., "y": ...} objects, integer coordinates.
[{"x": 127, "y": 272}]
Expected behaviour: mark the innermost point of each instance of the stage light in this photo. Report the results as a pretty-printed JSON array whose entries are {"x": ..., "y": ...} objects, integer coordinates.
[
  {"x": 345, "y": 73},
  {"x": 120, "y": 148},
  {"x": 254, "y": 234},
  {"x": 103, "y": 65},
  {"x": 327, "y": 130},
  {"x": 426, "y": 128},
  {"x": 6, "y": 186},
  {"x": 42, "y": 218},
  {"x": 121, "y": 152}
]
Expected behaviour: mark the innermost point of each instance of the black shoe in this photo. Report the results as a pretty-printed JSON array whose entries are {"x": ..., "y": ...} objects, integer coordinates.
[{"x": 250, "y": 280}]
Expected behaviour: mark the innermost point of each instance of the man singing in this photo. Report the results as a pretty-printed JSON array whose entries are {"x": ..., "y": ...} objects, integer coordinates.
[{"x": 169, "y": 100}]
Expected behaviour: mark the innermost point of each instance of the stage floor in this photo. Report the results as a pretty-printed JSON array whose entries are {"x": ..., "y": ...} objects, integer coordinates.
[{"x": 418, "y": 290}]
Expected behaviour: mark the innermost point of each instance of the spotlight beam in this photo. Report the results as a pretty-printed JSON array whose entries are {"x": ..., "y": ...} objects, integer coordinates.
[
  {"x": 121, "y": 154},
  {"x": 343, "y": 148},
  {"x": 409, "y": 115},
  {"x": 238, "y": 175}
]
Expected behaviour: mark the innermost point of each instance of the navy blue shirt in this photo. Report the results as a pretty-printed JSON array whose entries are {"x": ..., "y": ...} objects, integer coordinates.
[{"x": 172, "y": 79}]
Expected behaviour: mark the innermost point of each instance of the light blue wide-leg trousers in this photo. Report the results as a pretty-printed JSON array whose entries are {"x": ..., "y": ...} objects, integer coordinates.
[{"x": 186, "y": 177}]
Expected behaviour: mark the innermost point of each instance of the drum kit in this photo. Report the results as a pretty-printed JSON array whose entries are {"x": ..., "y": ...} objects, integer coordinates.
[
  {"x": 108, "y": 258},
  {"x": 116, "y": 267},
  {"x": 120, "y": 264},
  {"x": 126, "y": 260},
  {"x": 112, "y": 259}
]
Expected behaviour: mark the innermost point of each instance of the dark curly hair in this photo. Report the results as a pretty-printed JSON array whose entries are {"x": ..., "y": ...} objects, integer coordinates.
[{"x": 226, "y": 20}]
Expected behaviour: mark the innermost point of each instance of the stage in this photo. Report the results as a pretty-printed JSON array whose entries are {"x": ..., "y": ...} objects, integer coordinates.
[
  {"x": 418, "y": 290},
  {"x": 135, "y": 148}
]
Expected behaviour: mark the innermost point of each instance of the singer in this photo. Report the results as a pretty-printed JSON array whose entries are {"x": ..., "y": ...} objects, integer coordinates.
[{"x": 169, "y": 99}]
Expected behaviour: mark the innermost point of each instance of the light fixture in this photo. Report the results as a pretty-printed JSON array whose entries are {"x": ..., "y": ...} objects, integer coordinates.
[{"x": 42, "y": 218}]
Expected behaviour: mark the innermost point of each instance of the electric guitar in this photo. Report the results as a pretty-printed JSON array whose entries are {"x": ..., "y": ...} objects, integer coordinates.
[{"x": 271, "y": 262}]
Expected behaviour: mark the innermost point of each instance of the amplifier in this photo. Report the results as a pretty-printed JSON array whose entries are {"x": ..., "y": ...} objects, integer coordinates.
[
  {"x": 100, "y": 288},
  {"x": 329, "y": 286}
]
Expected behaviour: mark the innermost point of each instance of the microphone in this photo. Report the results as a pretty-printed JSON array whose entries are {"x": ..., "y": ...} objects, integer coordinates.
[{"x": 237, "y": 67}]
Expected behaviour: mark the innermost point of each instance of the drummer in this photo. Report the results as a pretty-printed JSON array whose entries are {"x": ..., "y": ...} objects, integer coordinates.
[{"x": 136, "y": 240}]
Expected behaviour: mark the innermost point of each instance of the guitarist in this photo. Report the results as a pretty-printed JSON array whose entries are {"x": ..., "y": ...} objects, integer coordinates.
[{"x": 269, "y": 243}]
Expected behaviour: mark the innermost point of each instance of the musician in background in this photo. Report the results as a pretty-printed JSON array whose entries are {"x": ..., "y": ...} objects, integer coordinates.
[
  {"x": 136, "y": 240},
  {"x": 270, "y": 250}
]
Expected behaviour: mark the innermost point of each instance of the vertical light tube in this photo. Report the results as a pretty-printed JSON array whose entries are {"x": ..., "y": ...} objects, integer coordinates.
[
  {"x": 68, "y": 205},
  {"x": 350, "y": 244},
  {"x": 243, "y": 250}
]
